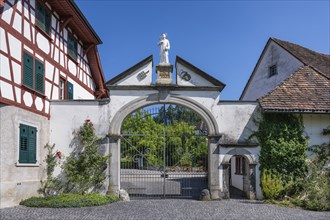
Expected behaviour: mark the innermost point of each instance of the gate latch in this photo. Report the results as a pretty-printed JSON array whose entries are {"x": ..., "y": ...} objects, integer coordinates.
[{"x": 164, "y": 175}]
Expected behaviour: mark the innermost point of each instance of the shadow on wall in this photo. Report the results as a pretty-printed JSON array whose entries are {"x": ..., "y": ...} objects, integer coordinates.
[
  {"x": 244, "y": 138},
  {"x": 62, "y": 184},
  {"x": 250, "y": 128}
]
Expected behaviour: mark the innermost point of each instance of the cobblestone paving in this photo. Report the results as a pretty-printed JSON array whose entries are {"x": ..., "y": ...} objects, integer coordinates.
[{"x": 167, "y": 209}]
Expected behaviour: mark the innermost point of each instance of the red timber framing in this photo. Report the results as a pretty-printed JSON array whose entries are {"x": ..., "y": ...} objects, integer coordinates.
[{"x": 17, "y": 24}]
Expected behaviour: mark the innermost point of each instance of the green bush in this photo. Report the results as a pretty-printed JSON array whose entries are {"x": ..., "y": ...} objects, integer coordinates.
[
  {"x": 272, "y": 186},
  {"x": 69, "y": 201},
  {"x": 314, "y": 205}
]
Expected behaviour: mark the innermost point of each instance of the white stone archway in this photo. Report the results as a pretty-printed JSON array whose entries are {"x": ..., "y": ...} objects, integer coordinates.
[
  {"x": 249, "y": 175},
  {"x": 204, "y": 113},
  {"x": 133, "y": 89}
]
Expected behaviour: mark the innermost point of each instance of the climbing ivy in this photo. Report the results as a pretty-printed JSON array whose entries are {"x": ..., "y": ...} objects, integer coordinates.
[{"x": 283, "y": 147}]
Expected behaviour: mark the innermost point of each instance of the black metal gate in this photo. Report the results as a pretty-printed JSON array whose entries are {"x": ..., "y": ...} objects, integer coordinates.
[{"x": 164, "y": 153}]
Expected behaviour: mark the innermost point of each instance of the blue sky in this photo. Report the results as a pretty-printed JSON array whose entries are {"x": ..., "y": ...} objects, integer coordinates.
[{"x": 223, "y": 38}]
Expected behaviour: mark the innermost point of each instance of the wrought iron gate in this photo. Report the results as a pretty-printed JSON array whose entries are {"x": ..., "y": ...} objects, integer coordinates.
[{"x": 164, "y": 154}]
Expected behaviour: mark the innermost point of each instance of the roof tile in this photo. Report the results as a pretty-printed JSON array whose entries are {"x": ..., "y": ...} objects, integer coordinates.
[{"x": 305, "y": 90}]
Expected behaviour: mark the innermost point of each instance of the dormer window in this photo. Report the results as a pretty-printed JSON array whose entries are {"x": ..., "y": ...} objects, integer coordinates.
[
  {"x": 43, "y": 18},
  {"x": 72, "y": 47},
  {"x": 272, "y": 70}
]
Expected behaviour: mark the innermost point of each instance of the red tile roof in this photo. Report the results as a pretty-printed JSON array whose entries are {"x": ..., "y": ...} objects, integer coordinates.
[
  {"x": 319, "y": 61},
  {"x": 307, "y": 90}
]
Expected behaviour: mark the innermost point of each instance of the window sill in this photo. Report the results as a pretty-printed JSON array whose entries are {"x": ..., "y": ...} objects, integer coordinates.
[
  {"x": 46, "y": 35},
  {"x": 33, "y": 91},
  {"x": 241, "y": 174},
  {"x": 17, "y": 164}
]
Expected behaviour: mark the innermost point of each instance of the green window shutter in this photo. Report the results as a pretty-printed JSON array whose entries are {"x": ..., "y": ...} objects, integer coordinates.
[
  {"x": 23, "y": 143},
  {"x": 39, "y": 79},
  {"x": 32, "y": 145},
  {"x": 40, "y": 16},
  {"x": 28, "y": 71},
  {"x": 69, "y": 90},
  {"x": 48, "y": 22}
]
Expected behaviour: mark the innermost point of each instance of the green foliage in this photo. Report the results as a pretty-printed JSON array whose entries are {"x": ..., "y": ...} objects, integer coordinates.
[
  {"x": 85, "y": 168},
  {"x": 49, "y": 186},
  {"x": 69, "y": 201},
  {"x": 272, "y": 185},
  {"x": 316, "y": 191},
  {"x": 283, "y": 148},
  {"x": 177, "y": 113},
  {"x": 312, "y": 204},
  {"x": 143, "y": 136},
  {"x": 189, "y": 148}
]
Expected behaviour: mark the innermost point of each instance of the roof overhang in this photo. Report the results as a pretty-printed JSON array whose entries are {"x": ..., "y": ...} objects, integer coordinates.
[{"x": 78, "y": 23}]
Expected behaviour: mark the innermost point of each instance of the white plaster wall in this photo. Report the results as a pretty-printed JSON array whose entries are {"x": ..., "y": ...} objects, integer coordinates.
[
  {"x": 6, "y": 90},
  {"x": 236, "y": 180},
  {"x": 133, "y": 78},
  {"x": 196, "y": 80},
  {"x": 17, "y": 181},
  {"x": 68, "y": 116},
  {"x": 236, "y": 120},
  {"x": 43, "y": 43},
  {"x": 79, "y": 92},
  {"x": 261, "y": 83},
  {"x": 314, "y": 125},
  {"x": 120, "y": 98}
]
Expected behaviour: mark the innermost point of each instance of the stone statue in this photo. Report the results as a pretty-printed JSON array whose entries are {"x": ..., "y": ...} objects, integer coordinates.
[{"x": 164, "y": 46}]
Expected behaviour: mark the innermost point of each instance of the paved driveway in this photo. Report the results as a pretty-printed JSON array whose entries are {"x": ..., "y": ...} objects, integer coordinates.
[{"x": 167, "y": 209}]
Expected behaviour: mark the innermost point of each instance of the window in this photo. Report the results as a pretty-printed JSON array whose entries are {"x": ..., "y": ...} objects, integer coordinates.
[
  {"x": 240, "y": 165},
  {"x": 72, "y": 47},
  {"x": 272, "y": 70},
  {"x": 33, "y": 73},
  {"x": 43, "y": 18},
  {"x": 66, "y": 90},
  {"x": 62, "y": 89},
  {"x": 27, "y": 144}
]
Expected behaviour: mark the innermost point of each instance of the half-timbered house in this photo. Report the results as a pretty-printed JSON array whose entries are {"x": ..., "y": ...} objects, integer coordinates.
[{"x": 48, "y": 51}]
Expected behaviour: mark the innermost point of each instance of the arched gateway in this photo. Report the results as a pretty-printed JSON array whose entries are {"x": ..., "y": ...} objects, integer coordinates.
[{"x": 194, "y": 89}]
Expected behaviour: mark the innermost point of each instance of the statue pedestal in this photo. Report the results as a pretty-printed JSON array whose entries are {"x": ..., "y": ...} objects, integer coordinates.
[{"x": 164, "y": 73}]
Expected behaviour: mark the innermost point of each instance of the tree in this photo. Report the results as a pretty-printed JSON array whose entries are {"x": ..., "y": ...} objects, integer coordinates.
[{"x": 143, "y": 140}]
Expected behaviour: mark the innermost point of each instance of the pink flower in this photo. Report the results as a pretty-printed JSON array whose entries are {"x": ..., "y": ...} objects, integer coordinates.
[
  {"x": 58, "y": 154},
  {"x": 87, "y": 120}
]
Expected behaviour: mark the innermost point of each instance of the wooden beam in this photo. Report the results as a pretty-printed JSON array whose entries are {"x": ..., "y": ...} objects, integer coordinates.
[
  {"x": 65, "y": 22},
  {"x": 87, "y": 48}
]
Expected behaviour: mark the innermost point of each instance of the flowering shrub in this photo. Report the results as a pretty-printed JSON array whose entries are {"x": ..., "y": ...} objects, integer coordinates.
[
  {"x": 85, "y": 169},
  {"x": 50, "y": 185}
]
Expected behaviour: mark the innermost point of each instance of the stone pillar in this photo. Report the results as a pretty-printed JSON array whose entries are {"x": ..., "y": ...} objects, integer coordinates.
[
  {"x": 213, "y": 168},
  {"x": 164, "y": 73},
  {"x": 225, "y": 194},
  {"x": 252, "y": 187},
  {"x": 114, "y": 149}
]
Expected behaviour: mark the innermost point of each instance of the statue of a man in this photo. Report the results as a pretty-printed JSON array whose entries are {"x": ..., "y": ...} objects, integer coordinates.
[{"x": 164, "y": 46}]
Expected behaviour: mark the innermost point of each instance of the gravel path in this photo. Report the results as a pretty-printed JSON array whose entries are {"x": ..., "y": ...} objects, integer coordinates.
[{"x": 167, "y": 209}]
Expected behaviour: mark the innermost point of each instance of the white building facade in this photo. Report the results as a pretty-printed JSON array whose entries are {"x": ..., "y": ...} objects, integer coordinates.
[{"x": 47, "y": 52}]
